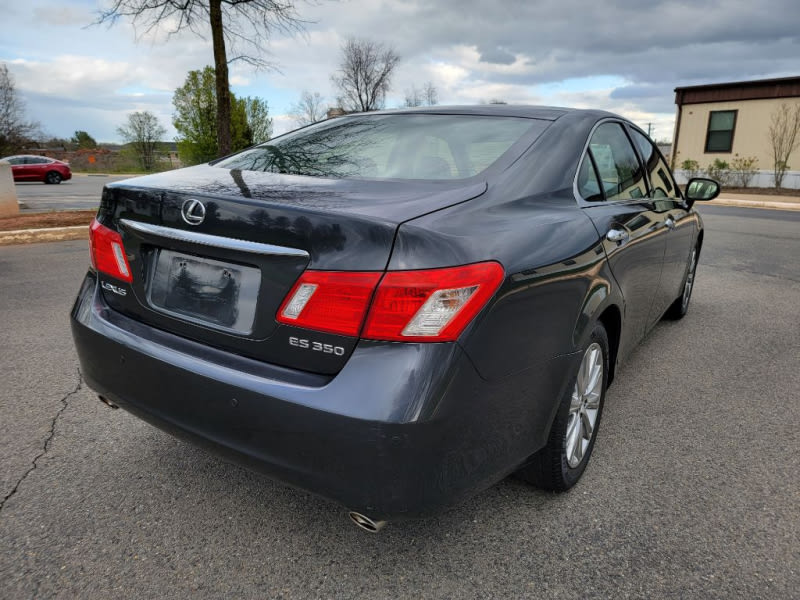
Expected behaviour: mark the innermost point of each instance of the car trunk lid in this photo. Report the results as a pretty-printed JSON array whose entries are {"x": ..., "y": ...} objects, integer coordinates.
[{"x": 220, "y": 279}]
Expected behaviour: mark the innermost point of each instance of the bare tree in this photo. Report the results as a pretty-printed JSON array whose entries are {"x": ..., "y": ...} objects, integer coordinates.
[
  {"x": 365, "y": 74},
  {"x": 243, "y": 26},
  {"x": 413, "y": 97},
  {"x": 143, "y": 132},
  {"x": 15, "y": 131},
  {"x": 427, "y": 96},
  {"x": 430, "y": 94},
  {"x": 309, "y": 109},
  {"x": 784, "y": 138}
]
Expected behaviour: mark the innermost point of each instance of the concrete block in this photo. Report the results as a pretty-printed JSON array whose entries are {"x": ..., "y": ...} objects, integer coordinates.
[{"x": 8, "y": 193}]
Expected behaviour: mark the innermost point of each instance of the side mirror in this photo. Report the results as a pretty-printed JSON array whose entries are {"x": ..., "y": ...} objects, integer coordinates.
[{"x": 700, "y": 188}]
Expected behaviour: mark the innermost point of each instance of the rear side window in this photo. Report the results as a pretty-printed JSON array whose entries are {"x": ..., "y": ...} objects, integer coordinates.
[
  {"x": 403, "y": 146},
  {"x": 661, "y": 181},
  {"x": 588, "y": 185},
  {"x": 621, "y": 174}
]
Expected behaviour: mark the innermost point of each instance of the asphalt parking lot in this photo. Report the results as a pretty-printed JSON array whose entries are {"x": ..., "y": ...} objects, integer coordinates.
[
  {"x": 80, "y": 192},
  {"x": 692, "y": 491}
]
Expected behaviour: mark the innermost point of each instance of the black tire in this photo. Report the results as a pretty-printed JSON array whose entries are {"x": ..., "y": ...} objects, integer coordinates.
[
  {"x": 52, "y": 177},
  {"x": 550, "y": 468},
  {"x": 679, "y": 308}
]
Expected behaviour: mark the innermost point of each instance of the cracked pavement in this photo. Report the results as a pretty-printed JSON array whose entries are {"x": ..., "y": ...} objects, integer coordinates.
[
  {"x": 46, "y": 445},
  {"x": 692, "y": 491}
]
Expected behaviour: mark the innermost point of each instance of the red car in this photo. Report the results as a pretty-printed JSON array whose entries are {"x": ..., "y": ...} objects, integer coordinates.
[{"x": 38, "y": 168}]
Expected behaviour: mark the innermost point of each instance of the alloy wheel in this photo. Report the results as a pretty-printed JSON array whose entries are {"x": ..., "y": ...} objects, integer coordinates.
[{"x": 585, "y": 405}]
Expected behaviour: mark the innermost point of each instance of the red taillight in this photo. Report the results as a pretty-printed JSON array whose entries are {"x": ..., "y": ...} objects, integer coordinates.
[
  {"x": 108, "y": 252},
  {"x": 434, "y": 305},
  {"x": 431, "y": 305},
  {"x": 331, "y": 301}
]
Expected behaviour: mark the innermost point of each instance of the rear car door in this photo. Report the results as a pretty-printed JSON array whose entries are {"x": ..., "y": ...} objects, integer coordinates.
[
  {"x": 680, "y": 223},
  {"x": 613, "y": 191}
]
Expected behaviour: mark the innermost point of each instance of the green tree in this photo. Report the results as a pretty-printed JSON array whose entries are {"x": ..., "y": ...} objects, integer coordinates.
[
  {"x": 243, "y": 26},
  {"x": 259, "y": 123},
  {"x": 143, "y": 132},
  {"x": 195, "y": 119},
  {"x": 84, "y": 141}
]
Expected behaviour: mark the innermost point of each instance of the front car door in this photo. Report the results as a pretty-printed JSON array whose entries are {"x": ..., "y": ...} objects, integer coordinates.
[
  {"x": 39, "y": 166},
  {"x": 613, "y": 191},
  {"x": 27, "y": 168},
  {"x": 681, "y": 224}
]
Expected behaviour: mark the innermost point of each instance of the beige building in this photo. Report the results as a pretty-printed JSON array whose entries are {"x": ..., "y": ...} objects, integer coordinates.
[{"x": 729, "y": 120}]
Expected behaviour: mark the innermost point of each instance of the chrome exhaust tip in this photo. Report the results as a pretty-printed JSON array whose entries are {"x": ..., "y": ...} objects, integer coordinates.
[
  {"x": 365, "y": 523},
  {"x": 107, "y": 402}
]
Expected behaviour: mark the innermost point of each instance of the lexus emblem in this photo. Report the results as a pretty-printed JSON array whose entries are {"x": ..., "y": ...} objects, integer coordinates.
[{"x": 193, "y": 211}]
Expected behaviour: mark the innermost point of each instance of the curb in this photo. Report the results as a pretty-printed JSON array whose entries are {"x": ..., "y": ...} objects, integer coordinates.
[
  {"x": 128, "y": 175},
  {"x": 766, "y": 204},
  {"x": 50, "y": 234}
]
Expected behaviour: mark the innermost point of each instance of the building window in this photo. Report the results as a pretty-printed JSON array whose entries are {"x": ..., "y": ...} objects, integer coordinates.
[{"x": 721, "y": 124}]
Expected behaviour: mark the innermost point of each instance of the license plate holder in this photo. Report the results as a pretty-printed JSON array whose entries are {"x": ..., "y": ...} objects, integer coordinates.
[{"x": 205, "y": 291}]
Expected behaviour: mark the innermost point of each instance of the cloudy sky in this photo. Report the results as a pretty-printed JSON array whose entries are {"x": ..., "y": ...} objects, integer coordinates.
[{"x": 626, "y": 56}]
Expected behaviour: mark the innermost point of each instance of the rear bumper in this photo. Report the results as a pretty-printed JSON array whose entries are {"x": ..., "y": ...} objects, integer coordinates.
[{"x": 402, "y": 430}]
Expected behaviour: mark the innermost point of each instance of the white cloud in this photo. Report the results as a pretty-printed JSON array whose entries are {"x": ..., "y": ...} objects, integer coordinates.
[
  {"x": 515, "y": 52},
  {"x": 282, "y": 123},
  {"x": 239, "y": 80}
]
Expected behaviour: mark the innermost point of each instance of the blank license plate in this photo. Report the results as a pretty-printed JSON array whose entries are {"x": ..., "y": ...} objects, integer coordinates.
[{"x": 205, "y": 291}]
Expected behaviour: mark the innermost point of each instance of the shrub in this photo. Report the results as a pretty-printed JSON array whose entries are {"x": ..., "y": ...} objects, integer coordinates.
[
  {"x": 719, "y": 171},
  {"x": 691, "y": 168},
  {"x": 743, "y": 170}
]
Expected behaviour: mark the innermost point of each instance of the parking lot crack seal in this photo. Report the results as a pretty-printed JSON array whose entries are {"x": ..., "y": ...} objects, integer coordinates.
[{"x": 46, "y": 446}]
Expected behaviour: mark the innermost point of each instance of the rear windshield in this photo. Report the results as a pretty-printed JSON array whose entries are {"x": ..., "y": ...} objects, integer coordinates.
[{"x": 420, "y": 146}]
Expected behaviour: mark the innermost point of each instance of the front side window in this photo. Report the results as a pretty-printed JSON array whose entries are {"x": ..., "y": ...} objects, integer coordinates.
[
  {"x": 621, "y": 174},
  {"x": 400, "y": 146},
  {"x": 721, "y": 125}
]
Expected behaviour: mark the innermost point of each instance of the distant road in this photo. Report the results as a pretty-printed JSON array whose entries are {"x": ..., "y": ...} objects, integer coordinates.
[{"x": 80, "y": 192}]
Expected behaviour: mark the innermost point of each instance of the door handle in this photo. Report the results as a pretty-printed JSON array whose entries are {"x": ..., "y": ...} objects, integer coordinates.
[
  {"x": 669, "y": 222},
  {"x": 617, "y": 235}
]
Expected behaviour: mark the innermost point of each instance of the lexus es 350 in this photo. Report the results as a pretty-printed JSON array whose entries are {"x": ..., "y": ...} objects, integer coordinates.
[{"x": 393, "y": 310}]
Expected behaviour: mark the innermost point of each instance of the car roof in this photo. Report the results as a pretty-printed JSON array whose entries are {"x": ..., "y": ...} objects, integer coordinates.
[
  {"x": 547, "y": 113},
  {"x": 29, "y": 156}
]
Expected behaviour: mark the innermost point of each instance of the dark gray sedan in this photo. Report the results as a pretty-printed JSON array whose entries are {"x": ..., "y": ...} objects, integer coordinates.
[{"x": 394, "y": 310}]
